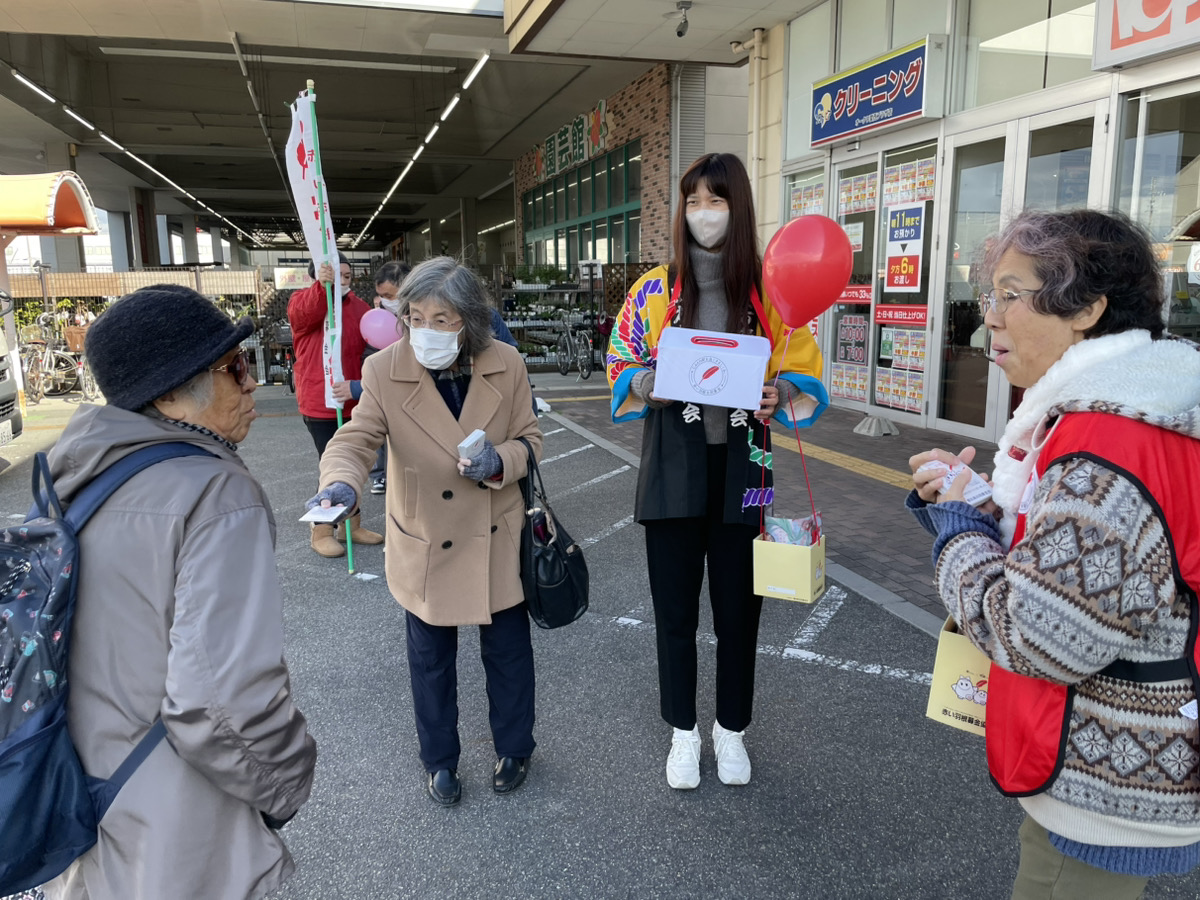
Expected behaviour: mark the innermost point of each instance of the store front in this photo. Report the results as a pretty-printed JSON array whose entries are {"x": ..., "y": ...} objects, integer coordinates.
[
  {"x": 1029, "y": 125},
  {"x": 595, "y": 188}
]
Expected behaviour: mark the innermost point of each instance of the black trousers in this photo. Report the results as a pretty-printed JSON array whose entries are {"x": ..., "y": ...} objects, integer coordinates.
[
  {"x": 507, "y": 654},
  {"x": 676, "y": 551},
  {"x": 322, "y": 431}
]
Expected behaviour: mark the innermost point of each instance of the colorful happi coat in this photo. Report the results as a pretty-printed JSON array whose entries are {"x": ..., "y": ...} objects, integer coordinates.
[{"x": 672, "y": 479}]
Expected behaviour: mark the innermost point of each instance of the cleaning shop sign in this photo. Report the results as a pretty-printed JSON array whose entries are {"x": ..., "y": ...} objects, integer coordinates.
[{"x": 906, "y": 85}]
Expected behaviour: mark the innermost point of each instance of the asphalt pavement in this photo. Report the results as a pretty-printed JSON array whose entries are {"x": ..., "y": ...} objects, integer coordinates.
[{"x": 855, "y": 794}]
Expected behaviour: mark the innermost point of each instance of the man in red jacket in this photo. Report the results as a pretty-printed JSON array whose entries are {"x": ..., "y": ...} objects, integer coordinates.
[{"x": 307, "y": 312}]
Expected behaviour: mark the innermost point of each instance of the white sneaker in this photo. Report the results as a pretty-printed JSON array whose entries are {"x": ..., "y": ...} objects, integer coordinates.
[
  {"x": 683, "y": 762},
  {"x": 733, "y": 765}
]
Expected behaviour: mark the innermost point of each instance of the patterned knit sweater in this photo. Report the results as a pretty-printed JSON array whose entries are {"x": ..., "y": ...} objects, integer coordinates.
[{"x": 1091, "y": 582}]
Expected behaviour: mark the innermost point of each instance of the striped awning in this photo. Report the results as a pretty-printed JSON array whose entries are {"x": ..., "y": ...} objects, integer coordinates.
[{"x": 52, "y": 203}]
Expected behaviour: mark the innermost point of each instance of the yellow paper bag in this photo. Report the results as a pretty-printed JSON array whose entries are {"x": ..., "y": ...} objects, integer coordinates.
[
  {"x": 958, "y": 695},
  {"x": 789, "y": 571}
]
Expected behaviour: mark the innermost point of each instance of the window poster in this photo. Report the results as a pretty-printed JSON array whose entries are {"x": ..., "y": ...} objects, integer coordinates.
[
  {"x": 905, "y": 234},
  {"x": 926, "y": 174},
  {"x": 900, "y": 373},
  {"x": 908, "y": 182},
  {"x": 849, "y": 370},
  {"x": 845, "y": 190},
  {"x": 891, "y": 186}
]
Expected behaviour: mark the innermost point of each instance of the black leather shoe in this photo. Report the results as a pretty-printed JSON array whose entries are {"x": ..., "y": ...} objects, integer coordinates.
[
  {"x": 444, "y": 787},
  {"x": 510, "y": 772}
]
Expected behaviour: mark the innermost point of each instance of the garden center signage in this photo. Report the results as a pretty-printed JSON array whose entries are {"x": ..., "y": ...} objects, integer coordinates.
[
  {"x": 574, "y": 143},
  {"x": 906, "y": 85}
]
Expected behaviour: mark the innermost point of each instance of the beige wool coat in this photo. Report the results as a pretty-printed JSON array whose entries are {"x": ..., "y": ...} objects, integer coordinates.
[
  {"x": 180, "y": 616},
  {"x": 453, "y": 545}
]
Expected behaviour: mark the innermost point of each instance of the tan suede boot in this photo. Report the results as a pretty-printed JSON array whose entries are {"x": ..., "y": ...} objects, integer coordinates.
[
  {"x": 357, "y": 532},
  {"x": 324, "y": 542}
]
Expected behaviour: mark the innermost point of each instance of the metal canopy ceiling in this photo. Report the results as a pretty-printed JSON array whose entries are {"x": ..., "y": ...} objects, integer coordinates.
[{"x": 162, "y": 78}]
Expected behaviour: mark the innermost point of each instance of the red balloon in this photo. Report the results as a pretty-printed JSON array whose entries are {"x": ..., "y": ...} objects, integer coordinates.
[{"x": 806, "y": 268}]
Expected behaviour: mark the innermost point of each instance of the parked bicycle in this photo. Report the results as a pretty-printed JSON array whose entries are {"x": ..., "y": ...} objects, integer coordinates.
[
  {"x": 49, "y": 370},
  {"x": 574, "y": 347}
]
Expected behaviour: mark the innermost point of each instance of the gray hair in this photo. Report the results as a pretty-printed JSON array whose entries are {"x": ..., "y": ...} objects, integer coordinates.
[
  {"x": 197, "y": 390},
  {"x": 1081, "y": 255},
  {"x": 459, "y": 289}
]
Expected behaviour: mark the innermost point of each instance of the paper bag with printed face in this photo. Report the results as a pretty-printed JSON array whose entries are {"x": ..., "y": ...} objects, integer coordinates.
[{"x": 958, "y": 695}]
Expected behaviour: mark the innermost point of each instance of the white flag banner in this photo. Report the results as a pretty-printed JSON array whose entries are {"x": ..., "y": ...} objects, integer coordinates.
[{"x": 308, "y": 189}]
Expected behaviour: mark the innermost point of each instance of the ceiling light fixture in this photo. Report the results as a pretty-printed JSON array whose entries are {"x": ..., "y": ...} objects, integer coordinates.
[
  {"x": 33, "y": 87},
  {"x": 475, "y": 71},
  {"x": 78, "y": 118},
  {"x": 484, "y": 8},
  {"x": 471, "y": 76},
  {"x": 492, "y": 228},
  {"x": 82, "y": 121},
  {"x": 216, "y": 56}
]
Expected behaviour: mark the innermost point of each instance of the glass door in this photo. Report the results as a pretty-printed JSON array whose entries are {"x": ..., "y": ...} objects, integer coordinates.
[
  {"x": 1051, "y": 161},
  {"x": 979, "y": 203},
  {"x": 855, "y": 196}
]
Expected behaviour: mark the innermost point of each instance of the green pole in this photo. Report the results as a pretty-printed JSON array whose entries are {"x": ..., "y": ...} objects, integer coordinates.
[{"x": 328, "y": 287}]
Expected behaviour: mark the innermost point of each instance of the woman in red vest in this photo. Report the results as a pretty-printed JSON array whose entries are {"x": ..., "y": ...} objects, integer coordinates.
[{"x": 1079, "y": 580}]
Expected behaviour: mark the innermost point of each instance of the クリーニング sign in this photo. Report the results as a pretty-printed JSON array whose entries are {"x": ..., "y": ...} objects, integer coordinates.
[{"x": 904, "y": 86}]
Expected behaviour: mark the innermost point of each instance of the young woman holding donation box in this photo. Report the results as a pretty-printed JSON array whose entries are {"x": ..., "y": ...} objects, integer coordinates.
[
  {"x": 705, "y": 479},
  {"x": 1083, "y": 592}
]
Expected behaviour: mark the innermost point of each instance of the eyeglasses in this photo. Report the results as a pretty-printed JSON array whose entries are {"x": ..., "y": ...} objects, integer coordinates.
[
  {"x": 238, "y": 367},
  {"x": 436, "y": 324},
  {"x": 1000, "y": 299}
]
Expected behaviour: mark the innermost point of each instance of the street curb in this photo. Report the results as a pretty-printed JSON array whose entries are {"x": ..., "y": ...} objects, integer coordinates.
[
  {"x": 869, "y": 590},
  {"x": 886, "y": 600}
]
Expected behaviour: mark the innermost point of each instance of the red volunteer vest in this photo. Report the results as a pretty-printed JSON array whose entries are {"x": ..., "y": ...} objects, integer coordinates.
[{"x": 1028, "y": 719}]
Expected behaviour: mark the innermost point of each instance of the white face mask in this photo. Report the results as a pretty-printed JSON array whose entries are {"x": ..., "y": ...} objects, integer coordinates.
[
  {"x": 708, "y": 226},
  {"x": 392, "y": 306},
  {"x": 345, "y": 289},
  {"x": 434, "y": 349}
]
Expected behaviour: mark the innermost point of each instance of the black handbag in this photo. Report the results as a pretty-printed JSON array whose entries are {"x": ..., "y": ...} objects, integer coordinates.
[{"x": 554, "y": 575}]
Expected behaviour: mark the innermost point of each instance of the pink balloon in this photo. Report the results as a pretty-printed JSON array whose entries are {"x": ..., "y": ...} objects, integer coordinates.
[{"x": 379, "y": 328}]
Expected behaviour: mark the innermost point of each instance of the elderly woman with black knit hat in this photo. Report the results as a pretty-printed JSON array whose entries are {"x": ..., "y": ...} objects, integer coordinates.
[{"x": 179, "y": 617}]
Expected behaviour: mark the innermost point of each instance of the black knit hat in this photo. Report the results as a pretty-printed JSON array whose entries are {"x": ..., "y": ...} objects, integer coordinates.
[{"x": 156, "y": 339}]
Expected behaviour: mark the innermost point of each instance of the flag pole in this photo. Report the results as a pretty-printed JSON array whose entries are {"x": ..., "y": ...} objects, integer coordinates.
[{"x": 328, "y": 287}]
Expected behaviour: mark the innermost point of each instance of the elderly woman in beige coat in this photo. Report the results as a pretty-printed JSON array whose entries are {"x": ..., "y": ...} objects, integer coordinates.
[
  {"x": 179, "y": 617},
  {"x": 453, "y": 523}
]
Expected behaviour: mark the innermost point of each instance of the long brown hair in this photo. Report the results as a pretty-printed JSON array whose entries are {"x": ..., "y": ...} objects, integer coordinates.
[{"x": 726, "y": 177}]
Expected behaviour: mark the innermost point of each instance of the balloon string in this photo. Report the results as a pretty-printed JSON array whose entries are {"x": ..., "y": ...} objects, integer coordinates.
[
  {"x": 786, "y": 343},
  {"x": 807, "y": 485}
]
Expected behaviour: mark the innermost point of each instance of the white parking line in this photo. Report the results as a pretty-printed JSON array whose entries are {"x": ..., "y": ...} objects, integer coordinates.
[
  {"x": 568, "y": 453},
  {"x": 607, "y": 532},
  {"x": 555, "y": 431},
  {"x": 596, "y": 480},
  {"x": 820, "y": 617},
  {"x": 849, "y": 665},
  {"x": 816, "y": 622}
]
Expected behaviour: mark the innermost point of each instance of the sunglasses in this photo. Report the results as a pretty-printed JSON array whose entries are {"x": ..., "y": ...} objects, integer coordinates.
[{"x": 238, "y": 367}]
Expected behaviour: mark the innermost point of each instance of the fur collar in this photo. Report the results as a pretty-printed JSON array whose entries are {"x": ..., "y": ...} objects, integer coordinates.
[{"x": 1125, "y": 374}]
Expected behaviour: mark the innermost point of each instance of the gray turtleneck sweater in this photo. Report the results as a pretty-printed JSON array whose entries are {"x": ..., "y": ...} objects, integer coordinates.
[{"x": 713, "y": 315}]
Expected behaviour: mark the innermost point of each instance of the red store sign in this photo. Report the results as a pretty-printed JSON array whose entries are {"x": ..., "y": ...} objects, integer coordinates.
[
  {"x": 901, "y": 315},
  {"x": 1136, "y": 30},
  {"x": 856, "y": 293}
]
